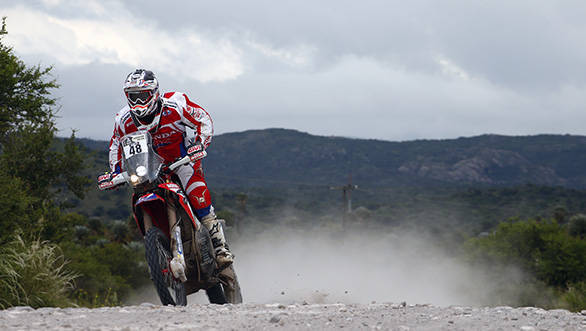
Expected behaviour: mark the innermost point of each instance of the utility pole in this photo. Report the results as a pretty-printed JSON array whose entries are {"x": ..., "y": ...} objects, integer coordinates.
[
  {"x": 241, "y": 199},
  {"x": 347, "y": 197}
]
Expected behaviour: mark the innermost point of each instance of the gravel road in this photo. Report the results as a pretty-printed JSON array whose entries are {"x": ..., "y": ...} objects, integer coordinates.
[{"x": 384, "y": 316}]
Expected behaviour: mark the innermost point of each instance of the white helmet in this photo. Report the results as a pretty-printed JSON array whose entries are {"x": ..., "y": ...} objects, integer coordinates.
[{"x": 142, "y": 93}]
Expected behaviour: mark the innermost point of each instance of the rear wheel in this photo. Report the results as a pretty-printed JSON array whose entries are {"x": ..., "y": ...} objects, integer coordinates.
[
  {"x": 227, "y": 290},
  {"x": 158, "y": 254},
  {"x": 216, "y": 294},
  {"x": 231, "y": 285}
]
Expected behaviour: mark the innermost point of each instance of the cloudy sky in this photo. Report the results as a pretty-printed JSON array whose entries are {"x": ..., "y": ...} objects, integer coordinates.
[{"x": 388, "y": 69}]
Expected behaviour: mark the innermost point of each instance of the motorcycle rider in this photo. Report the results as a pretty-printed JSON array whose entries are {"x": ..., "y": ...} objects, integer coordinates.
[{"x": 166, "y": 116}]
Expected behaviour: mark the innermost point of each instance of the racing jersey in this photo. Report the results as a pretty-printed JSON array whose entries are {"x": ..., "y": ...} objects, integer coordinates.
[{"x": 177, "y": 113}]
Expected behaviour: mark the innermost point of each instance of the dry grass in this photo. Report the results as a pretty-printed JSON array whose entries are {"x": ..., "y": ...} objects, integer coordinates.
[{"x": 34, "y": 274}]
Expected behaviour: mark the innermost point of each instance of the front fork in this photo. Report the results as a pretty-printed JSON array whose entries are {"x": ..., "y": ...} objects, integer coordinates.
[{"x": 177, "y": 264}]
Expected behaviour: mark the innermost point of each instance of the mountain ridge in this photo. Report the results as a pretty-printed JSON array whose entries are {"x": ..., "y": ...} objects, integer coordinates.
[{"x": 247, "y": 158}]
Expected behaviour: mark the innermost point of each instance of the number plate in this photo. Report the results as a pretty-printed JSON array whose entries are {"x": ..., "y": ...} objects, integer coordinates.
[{"x": 136, "y": 145}]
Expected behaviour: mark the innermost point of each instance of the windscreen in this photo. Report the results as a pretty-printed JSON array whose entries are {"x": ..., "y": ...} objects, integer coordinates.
[{"x": 139, "y": 159}]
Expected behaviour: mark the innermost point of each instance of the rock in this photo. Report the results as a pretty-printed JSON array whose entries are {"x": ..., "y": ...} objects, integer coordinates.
[
  {"x": 560, "y": 311},
  {"x": 275, "y": 318},
  {"x": 21, "y": 309}
]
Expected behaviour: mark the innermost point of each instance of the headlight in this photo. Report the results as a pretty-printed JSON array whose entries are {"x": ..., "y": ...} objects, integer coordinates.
[
  {"x": 134, "y": 179},
  {"x": 141, "y": 171}
]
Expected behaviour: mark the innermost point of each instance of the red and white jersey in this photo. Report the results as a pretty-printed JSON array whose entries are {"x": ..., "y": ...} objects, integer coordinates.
[{"x": 177, "y": 113}]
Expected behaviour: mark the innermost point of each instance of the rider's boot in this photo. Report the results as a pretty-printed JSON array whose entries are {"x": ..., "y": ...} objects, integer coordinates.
[{"x": 223, "y": 255}]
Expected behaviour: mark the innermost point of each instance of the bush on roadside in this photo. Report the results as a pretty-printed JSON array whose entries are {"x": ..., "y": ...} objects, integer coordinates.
[
  {"x": 108, "y": 273},
  {"x": 34, "y": 273},
  {"x": 553, "y": 261},
  {"x": 574, "y": 298}
]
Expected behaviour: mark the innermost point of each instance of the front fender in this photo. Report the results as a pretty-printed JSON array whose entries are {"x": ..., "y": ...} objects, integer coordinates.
[
  {"x": 155, "y": 206},
  {"x": 180, "y": 196}
]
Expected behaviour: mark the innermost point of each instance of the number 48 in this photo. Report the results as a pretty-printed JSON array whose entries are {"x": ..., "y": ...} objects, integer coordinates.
[{"x": 134, "y": 149}]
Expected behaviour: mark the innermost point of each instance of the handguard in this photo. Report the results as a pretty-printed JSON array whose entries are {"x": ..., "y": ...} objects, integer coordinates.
[
  {"x": 196, "y": 151},
  {"x": 109, "y": 181}
]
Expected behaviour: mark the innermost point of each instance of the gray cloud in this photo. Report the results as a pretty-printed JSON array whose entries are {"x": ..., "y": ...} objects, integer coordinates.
[{"x": 371, "y": 69}]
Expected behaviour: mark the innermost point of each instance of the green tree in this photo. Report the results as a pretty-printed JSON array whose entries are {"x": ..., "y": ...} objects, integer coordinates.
[
  {"x": 544, "y": 250},
  {"x": 560, "y": 213},
  {"x": 577, "y": 226},
  {"x": 30, "y": 154},
  {"x": 36, "y": 171},
  {"x": 16, "y": 206},
  {"x": 3, "y": 30},
  {"x": 33, "y": 167},
  {"x": 25, "y": 93}
]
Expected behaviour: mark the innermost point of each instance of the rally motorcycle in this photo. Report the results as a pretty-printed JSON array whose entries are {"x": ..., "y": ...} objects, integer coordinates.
[{"x": 170, "y": 228}]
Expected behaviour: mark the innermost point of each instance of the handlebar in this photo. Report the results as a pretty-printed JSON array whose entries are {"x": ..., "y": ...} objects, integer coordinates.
[
  {"x": 186, "y": 159},
  {"x": 123, "y": 177},
  {"x": 179, "y": 163},
  {"x": 120, "y": 178}
]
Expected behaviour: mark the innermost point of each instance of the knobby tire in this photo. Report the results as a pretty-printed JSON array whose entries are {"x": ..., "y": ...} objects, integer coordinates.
[{"x": 158, "y": 253}]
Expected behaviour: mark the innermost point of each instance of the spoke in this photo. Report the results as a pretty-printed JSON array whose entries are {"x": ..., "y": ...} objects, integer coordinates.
[{"x": 164, "y": 262}]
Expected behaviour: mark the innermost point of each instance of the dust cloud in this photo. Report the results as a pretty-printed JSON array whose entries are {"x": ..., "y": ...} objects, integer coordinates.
[
  {"x": 292, "y": 266},
  {"x": 286, "y": 264}
]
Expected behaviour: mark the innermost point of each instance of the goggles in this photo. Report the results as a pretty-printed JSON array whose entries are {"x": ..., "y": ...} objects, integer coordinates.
[{"x": 139, "y": 97}]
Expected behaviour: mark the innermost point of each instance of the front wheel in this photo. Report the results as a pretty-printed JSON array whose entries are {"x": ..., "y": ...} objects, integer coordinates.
[{"x": 158, "y": 254}]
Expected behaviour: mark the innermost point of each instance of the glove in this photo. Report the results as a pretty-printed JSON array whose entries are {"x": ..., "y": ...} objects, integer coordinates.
[
  {"x": 196, "y": 151},
  {"x": 105, "y": 181}
]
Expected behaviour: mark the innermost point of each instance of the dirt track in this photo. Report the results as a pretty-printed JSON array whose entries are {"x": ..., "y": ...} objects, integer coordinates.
[{"x": 384, "y": 316}]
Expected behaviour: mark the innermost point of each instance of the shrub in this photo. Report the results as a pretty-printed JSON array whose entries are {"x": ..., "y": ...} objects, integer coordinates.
[
  {"x": 545, "y": 252},
  {"x": 575, "y": 297},
  {"x": 108, "y": 273},
  {"x": 577, "y": 226},
  {"x": 34, "y": 274}
]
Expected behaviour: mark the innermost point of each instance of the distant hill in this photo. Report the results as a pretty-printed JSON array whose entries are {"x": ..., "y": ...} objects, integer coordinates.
[
  {"x": 277, "y": 157},
  {"x": 469, "y": 182}
]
